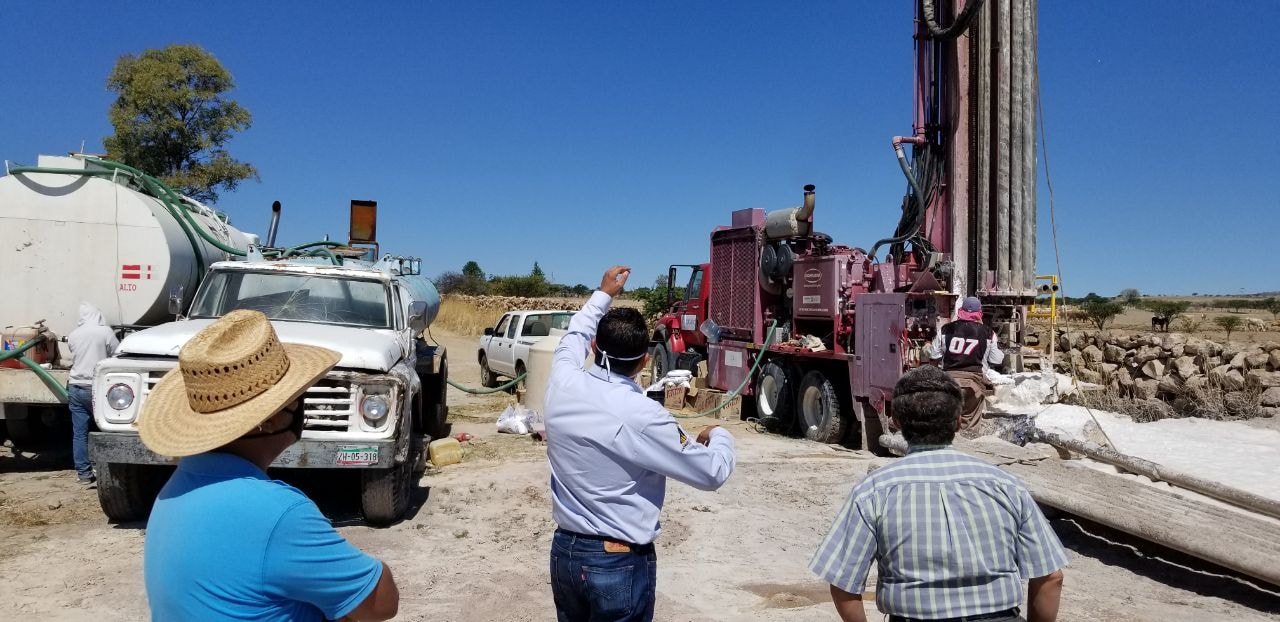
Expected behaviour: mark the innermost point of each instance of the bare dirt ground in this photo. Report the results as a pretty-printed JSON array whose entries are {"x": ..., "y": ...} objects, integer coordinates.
[{"x": 475, "y": 546}]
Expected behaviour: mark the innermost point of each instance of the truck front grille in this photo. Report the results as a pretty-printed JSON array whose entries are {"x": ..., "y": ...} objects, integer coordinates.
[{"x": 329, "y": 405}]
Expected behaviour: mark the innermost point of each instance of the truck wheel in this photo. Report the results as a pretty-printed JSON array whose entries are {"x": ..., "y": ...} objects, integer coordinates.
[
  {"x": 37, "y": 427},
  {"x": 126, "y": 492},
  {"x": 820, "y": 417},
  {"x": 487, "y": 377},
  {"x": 659, "y": 364},
  {"x": 435, "y": 422},
  {"x": 775, "y": 396},
  {"x": 520, "y": 371},
  {"x": 384, "y": 493}
]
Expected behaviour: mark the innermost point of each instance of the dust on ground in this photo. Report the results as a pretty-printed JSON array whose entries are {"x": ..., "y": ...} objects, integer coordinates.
[{"x": 474, "y": 548}]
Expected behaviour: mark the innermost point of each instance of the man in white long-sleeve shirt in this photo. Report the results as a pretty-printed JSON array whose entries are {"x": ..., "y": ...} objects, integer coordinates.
[{"x": 611, "y": 450}]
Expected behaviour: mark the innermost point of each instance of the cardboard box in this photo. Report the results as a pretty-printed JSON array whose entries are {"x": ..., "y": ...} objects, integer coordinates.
[{"x": 674, "y": 399}]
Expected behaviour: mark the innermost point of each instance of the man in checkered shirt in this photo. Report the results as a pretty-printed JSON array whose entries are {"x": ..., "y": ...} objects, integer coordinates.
[{"x": 954, "y": 538}]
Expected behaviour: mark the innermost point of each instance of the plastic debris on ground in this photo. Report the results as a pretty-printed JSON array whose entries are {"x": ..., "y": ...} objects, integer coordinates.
[
  {"x": 517, "y": 419},
  {"x": 674, "y": 378}
]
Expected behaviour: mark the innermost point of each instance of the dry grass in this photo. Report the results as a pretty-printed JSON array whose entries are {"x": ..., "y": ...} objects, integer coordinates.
[{"x": 463, "y": 317}]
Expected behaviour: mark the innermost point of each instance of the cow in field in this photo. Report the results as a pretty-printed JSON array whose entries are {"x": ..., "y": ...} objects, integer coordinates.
[
  {"x": 1253, "y": 323},
  {"x": 1160, "y": 323}
]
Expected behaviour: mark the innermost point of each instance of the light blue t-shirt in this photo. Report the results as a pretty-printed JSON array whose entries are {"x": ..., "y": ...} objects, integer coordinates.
[{"x": 226, "y": 543}]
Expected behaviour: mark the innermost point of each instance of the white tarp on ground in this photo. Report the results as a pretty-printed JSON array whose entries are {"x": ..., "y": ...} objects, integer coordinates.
[{"x": 1230, "y": 452}]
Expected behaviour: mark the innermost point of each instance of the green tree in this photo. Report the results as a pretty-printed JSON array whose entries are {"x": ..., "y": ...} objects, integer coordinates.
[
  {"x": 1101, "y": 311},
  {"x": 173, "y": 120},
  {"x": 1271, "y": 305},
  {"x": 537, "y": 272},
  {"x": 1130, "y": 296},
  {"x": 1168, "y": 308},
  {"x": 1228, "y": 323},
  {"x": 449, "y": 283},
  {"x": 473, "y": 281}
]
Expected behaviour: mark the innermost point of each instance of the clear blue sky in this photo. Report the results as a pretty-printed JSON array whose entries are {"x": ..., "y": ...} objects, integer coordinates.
[{"x": 585, "y": 134}]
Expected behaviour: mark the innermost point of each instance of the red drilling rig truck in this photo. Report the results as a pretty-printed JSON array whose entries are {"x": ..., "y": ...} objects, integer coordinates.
[{"x": 817, "y": 332}]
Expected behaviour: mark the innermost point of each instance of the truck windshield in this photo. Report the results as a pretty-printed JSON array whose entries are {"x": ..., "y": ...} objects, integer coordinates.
[{"x": 296, "y": 297}]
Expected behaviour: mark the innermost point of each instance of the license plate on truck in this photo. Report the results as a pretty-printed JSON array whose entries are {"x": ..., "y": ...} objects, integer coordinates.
[{"x": 357, "y": 455}]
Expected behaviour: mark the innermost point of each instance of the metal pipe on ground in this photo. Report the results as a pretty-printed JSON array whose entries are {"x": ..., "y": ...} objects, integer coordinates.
[{"x": 1227, "y": 494}]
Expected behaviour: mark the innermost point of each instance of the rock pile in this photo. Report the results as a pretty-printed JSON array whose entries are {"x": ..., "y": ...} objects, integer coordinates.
[
  {"x": 1169, "y": 366},
  {"x": 517, "y": 303}
]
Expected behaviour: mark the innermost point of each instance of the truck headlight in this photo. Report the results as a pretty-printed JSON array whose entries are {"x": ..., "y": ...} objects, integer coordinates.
[
  {"x": 374, "y": 408},
  {"x": 120, "y": 396}
]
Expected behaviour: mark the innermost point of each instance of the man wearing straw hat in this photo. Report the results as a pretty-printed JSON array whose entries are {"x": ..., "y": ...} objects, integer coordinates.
[{"x": 224, "y": 542}]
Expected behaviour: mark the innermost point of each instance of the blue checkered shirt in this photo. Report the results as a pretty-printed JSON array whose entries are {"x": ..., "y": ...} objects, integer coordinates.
[{"x": 952, "y": 536}]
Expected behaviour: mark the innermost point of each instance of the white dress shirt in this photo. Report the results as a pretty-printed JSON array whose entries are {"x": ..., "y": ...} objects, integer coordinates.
[{"x": 611, "y": 448}]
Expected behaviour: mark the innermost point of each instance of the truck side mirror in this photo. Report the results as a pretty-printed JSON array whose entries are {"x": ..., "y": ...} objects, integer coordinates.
[
  {"x": 175, "y": 300},
  {"x": 417, "y": 316},
  {"x": 488, "y": 331}
]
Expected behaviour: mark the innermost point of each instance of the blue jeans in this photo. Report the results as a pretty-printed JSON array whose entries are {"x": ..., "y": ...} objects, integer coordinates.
[
  {"x": 592, "y": 585},
  {"x": 80, "y": 401}
]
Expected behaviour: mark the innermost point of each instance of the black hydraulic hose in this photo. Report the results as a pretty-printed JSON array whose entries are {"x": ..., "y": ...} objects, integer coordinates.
[
  {"x": 957, "y": 28},
  {"x": 921, "y": 206}
]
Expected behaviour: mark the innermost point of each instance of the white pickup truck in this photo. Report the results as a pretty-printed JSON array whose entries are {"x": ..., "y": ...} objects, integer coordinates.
[
  {"x": 504, "y": 349},
  {"x": 373, "y": 413}
]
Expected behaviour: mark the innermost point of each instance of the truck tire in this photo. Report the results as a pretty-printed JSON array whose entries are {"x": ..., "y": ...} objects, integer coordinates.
[
  {"x": 775, "y": 396},
  {"x": 659, "y": 363},
  {"x": 126, "y": 492},
  {"x": 520, "y": 371},
  {"x": 820, "y": 417},
  {"x": 435, "y": 418},
  {"x": 488, "y": 379},
  {"x": 384, "y": 493},
  {"x": 37, "y": 427}
]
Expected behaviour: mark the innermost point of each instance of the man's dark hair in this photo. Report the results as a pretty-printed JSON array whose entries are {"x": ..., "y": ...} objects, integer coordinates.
[
  {"x": 622, "y": 334},
  {"x": 926, "y": 403}
]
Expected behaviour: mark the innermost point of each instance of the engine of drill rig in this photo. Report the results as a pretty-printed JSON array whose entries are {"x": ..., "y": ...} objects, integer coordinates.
[{"x": 810, "y": 287}]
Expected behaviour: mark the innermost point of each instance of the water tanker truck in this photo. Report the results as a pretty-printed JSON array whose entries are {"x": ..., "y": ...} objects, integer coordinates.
[
  {"x": 817, "y": 332},
  {"x": 76, "y": 229}
]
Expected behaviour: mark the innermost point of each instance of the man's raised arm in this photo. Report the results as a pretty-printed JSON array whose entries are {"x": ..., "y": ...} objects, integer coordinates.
[{"x": 582, "y": 328}]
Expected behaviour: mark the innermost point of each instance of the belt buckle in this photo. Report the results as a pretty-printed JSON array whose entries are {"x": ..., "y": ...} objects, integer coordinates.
[{"x": 611, "y": 546}]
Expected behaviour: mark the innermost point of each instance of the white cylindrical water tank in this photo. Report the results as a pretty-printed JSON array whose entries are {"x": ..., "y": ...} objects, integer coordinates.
[
  {"x": 68, "y": 238},
  {"x": 541, "y": 354}
]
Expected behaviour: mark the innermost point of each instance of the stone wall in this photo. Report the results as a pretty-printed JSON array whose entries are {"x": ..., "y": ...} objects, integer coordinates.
[{"x": 1169, "y": 366}]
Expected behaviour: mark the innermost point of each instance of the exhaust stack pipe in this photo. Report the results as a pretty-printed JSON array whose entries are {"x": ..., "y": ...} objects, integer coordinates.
[
  {"x": 275, "y": 224},
  {"x": 806, "y": 210},
  {"x": 793, "y": 222}
]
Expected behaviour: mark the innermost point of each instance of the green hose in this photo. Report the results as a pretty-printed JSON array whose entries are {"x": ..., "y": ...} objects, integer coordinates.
[
  {"x": 728, "y": 399},
  {"x": 486, "y": 391},
  {"x": 41, "y": 372}
]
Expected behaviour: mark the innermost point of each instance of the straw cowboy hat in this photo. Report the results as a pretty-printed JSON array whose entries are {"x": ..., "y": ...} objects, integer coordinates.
[{"x": 231, "y": 377}]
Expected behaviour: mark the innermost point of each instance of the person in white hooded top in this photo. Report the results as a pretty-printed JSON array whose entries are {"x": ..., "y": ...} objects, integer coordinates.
[{"x": 90, "y": 342}]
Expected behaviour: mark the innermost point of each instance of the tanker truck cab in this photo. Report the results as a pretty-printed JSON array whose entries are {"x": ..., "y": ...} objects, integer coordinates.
[{"x": 373, "y": 412}]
